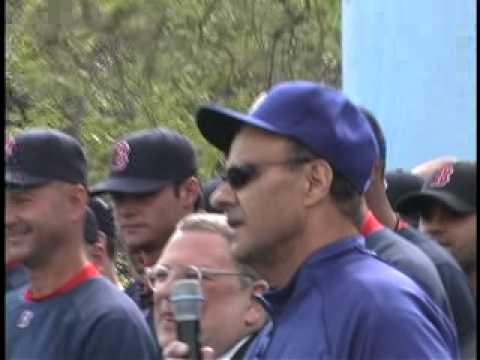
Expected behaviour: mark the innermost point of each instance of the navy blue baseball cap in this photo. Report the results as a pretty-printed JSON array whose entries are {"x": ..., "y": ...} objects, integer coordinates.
[
  {"x": 90, "y": 227},
  {"x": 147, "y": 160},
  {"x": 317, "y": 116},
  {"x": 104, "y": 215},
  {"x": 400, "y": 183},
  {"x": 454, "y": 185},
  {"x": 38, "y": 156}
]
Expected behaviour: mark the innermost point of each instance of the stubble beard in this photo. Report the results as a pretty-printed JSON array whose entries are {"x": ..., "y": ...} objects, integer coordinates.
[
  {"x": 41, "y": 253},
  {"x": 150, "y": 244},
  {"x": 266, "y": 254},
  {"x": 257, "y": 255}
]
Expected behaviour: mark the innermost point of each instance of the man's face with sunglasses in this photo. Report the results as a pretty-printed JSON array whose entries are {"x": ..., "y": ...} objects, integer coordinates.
[{"x": 262, "y": 195}]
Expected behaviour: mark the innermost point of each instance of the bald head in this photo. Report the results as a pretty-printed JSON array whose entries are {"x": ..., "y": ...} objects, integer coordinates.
[{"x": 426, "y": 169}]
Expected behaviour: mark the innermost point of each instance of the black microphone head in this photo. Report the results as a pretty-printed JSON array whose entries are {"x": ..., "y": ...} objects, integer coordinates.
[{"x": 186, "y": 298}]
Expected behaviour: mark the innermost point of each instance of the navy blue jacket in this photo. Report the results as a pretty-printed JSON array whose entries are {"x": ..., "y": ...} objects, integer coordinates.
[{"x": 345, "y": 303}]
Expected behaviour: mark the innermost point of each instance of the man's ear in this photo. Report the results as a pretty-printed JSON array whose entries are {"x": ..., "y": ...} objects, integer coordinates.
[
  {"x": 77, "y": 197},
  {"x": 98, "y": 251},
  {"x": 376, "y": 171},
  {"x": 260, "y": 286},
  {"x": 256, "y": 314},
  {"x": 319, "y": 178},
  {"x": 102, "y": 241},
  {"x": 189, "y": 191}
]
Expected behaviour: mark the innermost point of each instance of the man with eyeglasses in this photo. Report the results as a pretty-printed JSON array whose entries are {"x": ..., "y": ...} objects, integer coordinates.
[
  {"x": 231, "y": 315},
  {"x": 153, "y": 184},
  {"x": 297, "y": 166}
]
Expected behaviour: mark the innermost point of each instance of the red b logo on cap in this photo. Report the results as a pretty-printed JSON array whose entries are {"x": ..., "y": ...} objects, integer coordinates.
[
  {"x": 121, "y": 156},
  {"x": 442, "y": 177}
]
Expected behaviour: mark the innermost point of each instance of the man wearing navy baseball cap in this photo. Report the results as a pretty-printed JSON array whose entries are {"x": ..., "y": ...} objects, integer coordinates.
[
  {"x": 297, "y": 166},
  {"x": 453, "y": 279},
  {"x": 68, "y": 311},
  {"x": 101, "y": 239},
  {"x": 447, "y": 204},
  {"x": 153, "y": 184}
]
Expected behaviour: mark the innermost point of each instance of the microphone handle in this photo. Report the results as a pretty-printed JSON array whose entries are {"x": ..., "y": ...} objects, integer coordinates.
[{"x": 188, "y": 331}]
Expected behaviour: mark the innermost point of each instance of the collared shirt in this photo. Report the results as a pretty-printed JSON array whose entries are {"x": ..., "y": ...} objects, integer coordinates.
[
  {"x": 344, "y": 303},
  {"x": 228, "y": 355}
]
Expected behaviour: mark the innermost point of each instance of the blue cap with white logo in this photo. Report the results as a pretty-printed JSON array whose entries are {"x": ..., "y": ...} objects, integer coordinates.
[{"x": 315, "y": 115}]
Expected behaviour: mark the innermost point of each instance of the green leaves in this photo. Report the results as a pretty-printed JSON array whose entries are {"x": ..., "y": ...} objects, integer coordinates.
[{"x": 102, "y": 69}]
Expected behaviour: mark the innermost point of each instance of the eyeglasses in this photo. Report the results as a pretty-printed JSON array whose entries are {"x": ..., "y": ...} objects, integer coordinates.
[
  {"x": 161, "y": 274},
  {"x": 239, "y": 176}
]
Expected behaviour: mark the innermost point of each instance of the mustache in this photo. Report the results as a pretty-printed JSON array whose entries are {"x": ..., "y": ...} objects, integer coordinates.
[{"x": 17, "y": 229}]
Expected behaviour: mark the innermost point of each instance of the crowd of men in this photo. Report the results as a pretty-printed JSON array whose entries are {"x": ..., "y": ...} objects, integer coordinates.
[{"x": 305, "y": 247}]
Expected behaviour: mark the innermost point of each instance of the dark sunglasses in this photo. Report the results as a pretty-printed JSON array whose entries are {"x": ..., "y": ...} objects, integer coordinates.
[{"x": 239, "y": 176}]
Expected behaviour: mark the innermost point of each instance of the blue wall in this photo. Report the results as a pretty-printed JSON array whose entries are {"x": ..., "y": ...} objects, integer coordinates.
[{"x": 413, "y": 64}]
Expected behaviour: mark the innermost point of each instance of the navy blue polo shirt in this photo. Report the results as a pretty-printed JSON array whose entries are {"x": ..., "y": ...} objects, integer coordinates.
[
  {"x": 345, "y": 303},
  {"x": 93, "y": 320}
]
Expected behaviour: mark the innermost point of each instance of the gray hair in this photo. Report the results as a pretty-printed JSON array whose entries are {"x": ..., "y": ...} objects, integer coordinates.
[{"x": 217, "y": 224}]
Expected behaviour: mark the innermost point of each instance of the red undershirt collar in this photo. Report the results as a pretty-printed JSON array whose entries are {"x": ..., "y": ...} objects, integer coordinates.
[
  {"x": 11, "y": 264},
  {"x": 402, "y": 224},
  {"x": 89, "y": 271},
  {"x": 370, "y": 224}
]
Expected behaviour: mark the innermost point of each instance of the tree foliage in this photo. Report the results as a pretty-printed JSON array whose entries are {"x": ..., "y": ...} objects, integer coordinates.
[{"x": 102, "y": 69}]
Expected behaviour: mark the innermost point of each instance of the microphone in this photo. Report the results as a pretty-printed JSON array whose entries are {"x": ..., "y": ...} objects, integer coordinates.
[{"x": 186, "y": 298}]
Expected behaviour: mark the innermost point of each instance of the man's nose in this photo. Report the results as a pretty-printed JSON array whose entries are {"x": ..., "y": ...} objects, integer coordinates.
[
  {"x": 223, "y": 197},
  {"x": 434, "y": 225},
  {"x": 126, "y": 206}
]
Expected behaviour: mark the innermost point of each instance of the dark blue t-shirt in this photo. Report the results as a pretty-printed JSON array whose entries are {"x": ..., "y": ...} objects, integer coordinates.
[
  {"x": 92, "y": 321},
  {"x": 345, "y": 303},
  {"x": 15, "y": 277},
  {"x": 410, "y": 260}
]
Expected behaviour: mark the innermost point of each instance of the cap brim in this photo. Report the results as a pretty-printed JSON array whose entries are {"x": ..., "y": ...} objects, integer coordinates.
[
  {"x": 219, "y": 125},
  {"x": 418, "y": 201},
  {"x": 14, "y": 179},
  {"x": 127, "y": 185}
]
